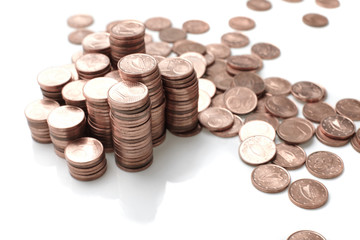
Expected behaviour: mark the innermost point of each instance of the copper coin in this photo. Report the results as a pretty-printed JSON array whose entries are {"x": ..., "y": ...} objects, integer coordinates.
[
  {"x": 76, "y": 56},
  {"x": 337, "y": 127},
  {"x": 329, "y": 141},
  {"x": 235, "y": 40},
  {"x": 127, "y": 29},
  {"x": 127, "y": 92},
  {"x": 315, "y": 112},
  {"x": 222, "y": 80},
  {"x": 190, "y": 133},
  {"x": 114, "y": 74},
  {"x": 80, "y": 21},
  {"x": 218, "y": 101},
  {"x": 172, "y": 35},
  {"x": 308, "y": 193},
  {"x": 39, "y": 110},
  {"x": 305, "y": 234},
  {"x": 296, "y": 130},
  {"x": 307, "y": 91},
  {"x": 315, "y": 20},
  {"x": 349, "y": 108},
  {"x": 65, "y": 117},
  {"x": 176, "y": 68},
  {"x": 204, "y": 100},
  {"x": 289, "y": 156},
  {"x": 198, "y": 60},
  {"x": 281, "y": 106},
  {"x": 207, "y": 86},
  {"x": 273, "y": 121},
  {"x": 219, "y": 66},
  {"x": 53, "y": 79},
  {"x": 241, "y": 23},
  {"x": 277, "y": 86},
  {"x": 77, "y": 36},
  {"x": 328, "y": 3},
  {"x": 323, "y": 164},
  {"x": 240, "y": 100},
  {"x": 265, "y": 50},
  {"x": 111, "y": 24},
  {"x": 216, "y": 119},
  {"x": 157, "y": 23},
  {"x": 231, "y": 132},
  {"x": 250, "y": 80},
  {"x": 183, "y": 46},
  {"x": 96, "y": 90},
  {"x": 137, "y": 65},
  {"x": 158, "y": 48},
  {"x": 259, "y": 5},
  {"x": 148, "y": 38},
  {"x": 210, "y": 58},
  {"x": 92, "y": 62},
  {"x": 270, "y": 178},
  {"x": 219, "y": 50},
  {"x": 257, "y": 128},
  {"x": 195, "y": 26},
  {"x": 257, "y": 150},
  {"x": 246, "y": 62},
  {"x": 355, "y": 141},
  {"x": 98, "y": 41},
  {"x": 73, "y": 91}
]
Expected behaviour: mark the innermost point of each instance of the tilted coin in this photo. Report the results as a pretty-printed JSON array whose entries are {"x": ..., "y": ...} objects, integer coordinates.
[
  {"x": 315, "y": 112},
  {"x": 216, "y": 119},
  {"x": 259, "y": 5},
  {"x": 270, "y": 178},
  {"x": 277, "y": 86},
  {"x": 349, "y": 107},
  {"x": 295, "y": 130},
  {"x": 219, "y": 50},
  {"x": 323, "y": 164},
  {"x": 80, "y": 21},
  {"x": 337, "y": 127},
  {"x": 172, "y": 35},
  {"x": 273, "y": 121},
  {"x": 315, "y": 20},
  {"x": 195, "y": 26},
  {"x": 77, "y": 36},
  {"x": 328, "y": 3},
  {"x": 307, "y": 91},
  {"x": 257, "y": 150},
  {"x": 231, "y": 132},
  {"x": 240, "y": 100},
  {"x": 157, "y": 23},
  {"x": 265, "y": 50},
  {"x": 235, "y": 40},
  {"x": 241, "y": 23},
  {"x": 289, "y": 156},
  {"x": 281, "y": 106}
]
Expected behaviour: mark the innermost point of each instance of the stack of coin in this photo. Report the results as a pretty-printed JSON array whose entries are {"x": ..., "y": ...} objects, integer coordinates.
[
  {"x": 73, "y": 95},
  {"x": 85, "y": 158},
  {"x": 92, "y": 65},
  {"x": 98, "y": 42},
  {"x": 36, "y": 114},
  {"x": 126, "y": 37},
  {"x": 243, "y": 63},
  {"x": 66, "y": 123},
  {"x": 143, "y": 68},
  {"x": 131, "y": 124},
  {"x": 95, "y": 92},
  {"x": 51, "y": 82},
  {"x": 182, "y": 94}
]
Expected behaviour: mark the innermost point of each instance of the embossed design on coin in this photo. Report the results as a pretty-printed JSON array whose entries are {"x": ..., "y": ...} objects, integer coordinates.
[
  {"x": 270, "y": 178},
  {"x": 307, "y": 91},
  {"x": 289, "y": 156},
  {"x": 324, "y": 164},
  {"x": 250, "y": 80},
  {"x": 136, "y": 64},
  {"x": 315, "y": 112},
  {"x": 305, "y": 234},
  {"x": 315, "y": 20},
  {"x": 277, "y": 86},
  {"x": 216, "y": 119},
  {"x": 257, "y": 150},
  {"x": 265, "y": 50},
  {"x": 241, "y": 23},
  {"x": 296, "y": 130},
  {"x": 329, "y": 141},
  {"x": 349, "y": 107},
  {"x": 281, "y": 106},
  {"x": 240, "y": 100},
  {"x": 174, "y": 68},
  {"x": 257, "y": 128},
  {"x": 337, "y": 127}
]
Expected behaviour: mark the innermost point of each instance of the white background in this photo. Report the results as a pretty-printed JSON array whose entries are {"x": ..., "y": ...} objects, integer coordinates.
[{"x": 197, "y": 188}]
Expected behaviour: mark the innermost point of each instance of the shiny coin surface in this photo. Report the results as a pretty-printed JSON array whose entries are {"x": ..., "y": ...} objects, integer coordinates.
[
  {"x": 281, "y": 106},
  {"x": 257, "y": 128},
  {"x": 80, "y": 21},
  {"x": 289, "y": 156},
  {"x": 257, "y": 150},
  {"x": 324, "y": 164},
  {"x": 337, "y": 127},
  {"x": 231, "y": 132},
  {"x": 265, "y": 51},
  {"x": 240, "y": 100},
  {"x": 216, "y": 119},
  {"x": 157, "y": 23},
  {"x": 305, "y": 234},
  {"x": 195, "y": 26},
  {"x": 315, "y": 20},
  {"x": 315, "y": 112},
  {"x": 296, "y": 130},
  {"x": 241, "y": 23},
  {"x": 349, "y": 107},
  {"x": 270, "y": 178},
  {"x": 307, "y": 91},
  {"x": 277, "y": 86}
]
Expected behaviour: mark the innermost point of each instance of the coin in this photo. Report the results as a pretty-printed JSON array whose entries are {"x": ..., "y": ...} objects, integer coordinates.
[
  {"x": 270, "y": 178},
  {"x": 198, "y": 61},
  {"x": 204, "y": 100},
  {"x": 315, "y": 20},
  {"x": 98, "y": 42},
  {"x": 295, "y": 130},
  {"x": 246, "y": 62},
  {"x": 114, "y": 74},
  {"x": 216, "y": 119},
  {"x": 195, "y": 26},
  {"x": 265, "y": 50},
  {"x": 289, "y": 156},
  {"x": 92, "y": 65},
  {"x": 328, "y": 3},
  {"x": 172, "y": 35},
  {"x": 80, "y": 21},
  {"x": 241, "y": 23},
  {"x": 257, "y": 128},
  {"x": 219, "y": 50},
  {"x": 315, "y": 112},
  {"x": 72, "y": 93},
  {"x": 240, "y": 100},
  {"x": 349, "y": 107},
  {"x": 329, "y": 141},
  {"x": 277, "y": 86},
  {"x": 307, "y": 91},
  {"x": 231, "y": 132},
  {"x": 158, "y": 48},
  {"x": 77, "y": 36},
  {"x": 218, "y": 101},
  {"x": 219, "y": 66},
  {"x": 305, "y": 234},
  {"x": 249, "y": 80},
  {"x": 259, "y": 5},
  {"x": 207, "y": 86},
  {"x": 210, "y": 58},
  {"x": 157, "y": 23},
  {"x": 281, "y": 106},
  {"x": 323, "y": 164},
  {"x": 274, "y": 122},
  {"x": 308, "y": 193},
  {"x": 222, "y": 80},
  {"x": 257, "y": 150},
  {"x": 355, "y": 141},
  {"x": 337, "y": 127},
  {"x": 235, "y": 40},
  {"x": 183, "y": 46}
]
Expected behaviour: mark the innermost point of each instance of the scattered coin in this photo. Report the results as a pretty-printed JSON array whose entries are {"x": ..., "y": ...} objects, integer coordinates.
[
  {"x": 204, "y": 100},
  {"x": 280, "y": 106},
  {"x": 289, "y": 156},
  {"x": 241, "y": 23},
  {"x": 240, "y": 100},
  {"x": 307, "y": 91},
  {"x": 270, "y": 178},
  {"x": 349, "y": 107},
  {"x": 235, "y": 40},
  {"x": 315, "y": 20},
  {"x": 257, "y": 128},
  {"x": 249, "y": 80},
  {"x": 277, "y": 86},
  {"x": 216, "y": 119},
  {"x": 218, "y": 101},
  {"x": 98, "y": 42},
  {"x": 305, "y": 234},
  {"x": 263, "y": 117},
  {"x": 323, "y": 164},
  {"x": 329, "y": 141},
  {"x": 355, "y": 141},
  {"x": 183, "y": 46},
  {"x": 315, "y": 112},
  {"x": 195, "y": 26},
  {"x": 245, "y": 62},
  {"x": 231, "y": 132},
  {"x": 219, "y": 50},
  {"x": 219, "y": 66},
  {"x": 80, "y": 21},
  {"x": 295, "y": 130},
  {"x": 257, "y": 150},
  {"x": 157, "y": 23},
  {"x": 207, "y": 86},
  {"x": 158, "y": 48},
  {"x": 198, "y": 60},
  {"x": 328, "y": 3},
  {"x": 259, "y": 5},
  {"x": 172, "y": 35},
  {"x": 265, "y": 50},
  {"x": 337, "y": 127},
  {"x": 77, "y": 36},
  {"x": 222, "y": 80}
]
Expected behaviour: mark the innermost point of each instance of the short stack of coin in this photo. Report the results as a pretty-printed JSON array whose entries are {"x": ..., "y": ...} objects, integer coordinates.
[
  {"x": 73, "y": 95},
  {"x": 36, "y": 114},
  {"x": 51, "y": 82},
  {"x": 66, "y": 123},
  {"x": 95, "y": 92},
  {"x": 182, "y": 94},
  {"x": 86, "y": 159},
  {"x": 92, "y": 65},
  {"x": 243, "y": 63},
  {"x": 98, "y": 42},
  {"x": 126, "y": 37},
  {"x": 131, "y": 124},
  {"x": 143, "y": 68}
]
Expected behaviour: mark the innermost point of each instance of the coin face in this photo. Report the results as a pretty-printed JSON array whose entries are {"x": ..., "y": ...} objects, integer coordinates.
[
  {"x": 39, "y": 110},
  {"x": 231, "y": 132},
  {"x": 172, "y": 35},
  {"x": 127, "y": 29},
  {"x": 265, "y": 50},
  {"x": 92, "y": 62},
  {"x": 219, "y": 50},
  {"x": 296, "y": 130},
  {"x": 158, "y": 48},
  {"x": 235, "y": 40},
  {"x": 324, "y": 164},
  {"x": 137, "y": 64},
  {"x": 183, "y": 46},
  {"x": 73, "y": 91},
  {"x": 274, "y": 122},
  {"x": 257, "y": 150},
  {"x": 349, "y": 107},
  {"x": 65, "y": 117},
  {"x": 338, "y": 127},
  {"x": 222, "y": 80},
  {"x": 158, "y": 23},
  {"x": 315, "y": 20},
  {"x": 289, "y": 156},
  {"x": 96, "y": 41},
  {"x": 315, "y": 112},
  {"x": 305, "y": 234},
  {"x": 308, "y": 193},
  {"x": 277, "y": 86},
  {"x": 257, "y": 128},
  {"x": 198, "y": 60},
  {"x": 97, "y": 88},
  {"x": 52, "y": 78},
  {"x": 195, "y": 26},
  {"x": 216, "y": 119},
  {"x": 128, "y": 92},
  {"x": 259, "y": 5},
  {"x": 240, "y": 100},
  {"x": 241, "y": 23},
  {"x": 281, "y": 106},
  {"x": 80, "y": 21},
  {"x": 175, "y": 68},
  {"x": 329, "y": 141},
  {"x": 270, "y": 178},
  {"x": 244, "y": 62},
  {"x": 207, "y": 86},
  {"x": 84, "y": 150},
  {"x": 249, "y": 80},
  {"x": 77, "y": 36},
  {"x": 307, "y": 91}
]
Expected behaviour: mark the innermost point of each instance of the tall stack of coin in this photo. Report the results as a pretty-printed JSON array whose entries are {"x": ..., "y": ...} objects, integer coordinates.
[
  {"x": 143, "y": 68},
  {"x": 98, "y": 42},
  {"x": 73, "y": 94},
  {"x": 85, "y": 158},
  {"x": 182, "y": 94},
  {"x": 51, "y": 82},
  {"x": 126, "y": 37},
  {"x": 131, "y": 124},
  {"x": 95, "y": 92},
  {"x": 36, "y": 114},
  {"x": 92, "y": 65},
  {"x": 66, "y": 123}
]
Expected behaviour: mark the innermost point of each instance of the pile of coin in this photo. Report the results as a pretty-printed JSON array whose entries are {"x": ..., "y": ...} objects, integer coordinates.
[
  {"x": 92, "y": 65},
  {"x": 85, "y": 158},
  {"x": 143, "y": 68},
  {"x": 36, "y": 114},
  {"x": 66, "y": 123},
  {"x": 51, "y": 81},
  {"x": 182, "y": 93},
  {"x": 126, "y": 37},
  {"x": 73, "y": 95},
  {"x": 131, "y": 124},
  {"x": 99, "y": 124},
  {"x": 98, "y": 42}
]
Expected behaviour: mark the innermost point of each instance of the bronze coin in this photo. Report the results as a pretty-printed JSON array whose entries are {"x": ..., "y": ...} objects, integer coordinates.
[
  {"x": 329, "y": 141},
  {"x": 39, "y": 110},
  {"x": 234, "y": 40},
  {"x": 257, "y": 128},
  {"x": 349, "y": 107},
  {"x": 259, "y": 5},
  {"x": 158, "y": 48},
  {"x": 137, "y": 65},
  {"x": 53, "y": 79},
  {"x": 355, "y": 142},
  {"x": 73, "y": 91},
  {"x": 198, "y": 60},
  {"x": 127, "y": 30},
  {"x": 273, "y": 121},
  {"x": 218, "y": 101},
  {"x": 277, "y": 86},
  {"x": 195, "y": 26},
  {"x": 222, "y": 80},
  {"x": 80, "y": 21},
  {"x": 308, "y": 193},
  {"x": 92, "y": 63},
  {"x": 207, "y": 86},
  {"x": 265, "y": 51},
  {"x": 157, "y": 23},
  {"x": 183, "y": 46},
  {"x": 295, "y": 130},
  {"x": 305, "y": 234},
  {"x": 96, "y": 90},
  {"x": 323, "y": 164},
  {"x": 65, "y": 117},
  {"x": 307, "y": 91},
  {"x": 249, "y": 80},
  {"x": 115, "y": 75},
  {"x": 289, "y": 156},
  {"x": 240, "y": 100},
  {"x": 219, "y": 66},
  {"x": 126, "y": 92},
  {"x": 315, "y": 20},
  {"x": 241, "y": 23},
  {"x": 98, "y": 41},
  {"x": 216, "y": 119},
  {"x": 231, "y": 132},
  {"x": 328, "y": 3},
  {"x": 337, "y": 127},
  {"x": 315, "y": 112},
  {"x": 172, "y": 35},
  {"x": 219, "y": 50},
  {"x": 204, "y": 100},
  {"x": 281, "y": 106},
  {"x": 246, "y": 62},
  {"x": 77, "y": 36},
  {"x": 257, "y": 150},
  {"x": 175, "y": 68},
  {"x": 270, "y": 178}
]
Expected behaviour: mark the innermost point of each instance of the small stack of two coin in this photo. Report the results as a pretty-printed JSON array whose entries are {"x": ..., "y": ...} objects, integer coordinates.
[
  {"x": 92, "y": 65},
  {"x": 243, "y": 63}
]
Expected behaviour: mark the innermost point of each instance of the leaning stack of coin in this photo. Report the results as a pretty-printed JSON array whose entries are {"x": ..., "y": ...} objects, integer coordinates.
[
  {"x": 182, "y": 93},
  {"x": 85, "y": 158},
  {"x": 92, "y": 65},
  {"x": 243, "y": 63},
  {"x": 143, "y": 68},
  {"x": 36, "y": 114},
  {"x": 131, "y": 124},
  {"x": 98, "y": 42},
  {"x": 51, "y": 82},
  {"x": 66, "y": 123},
  {"x": 126, "y": 37},
  {"x": 95, "y": 92},
  {"x": 73, "y": 94}
]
